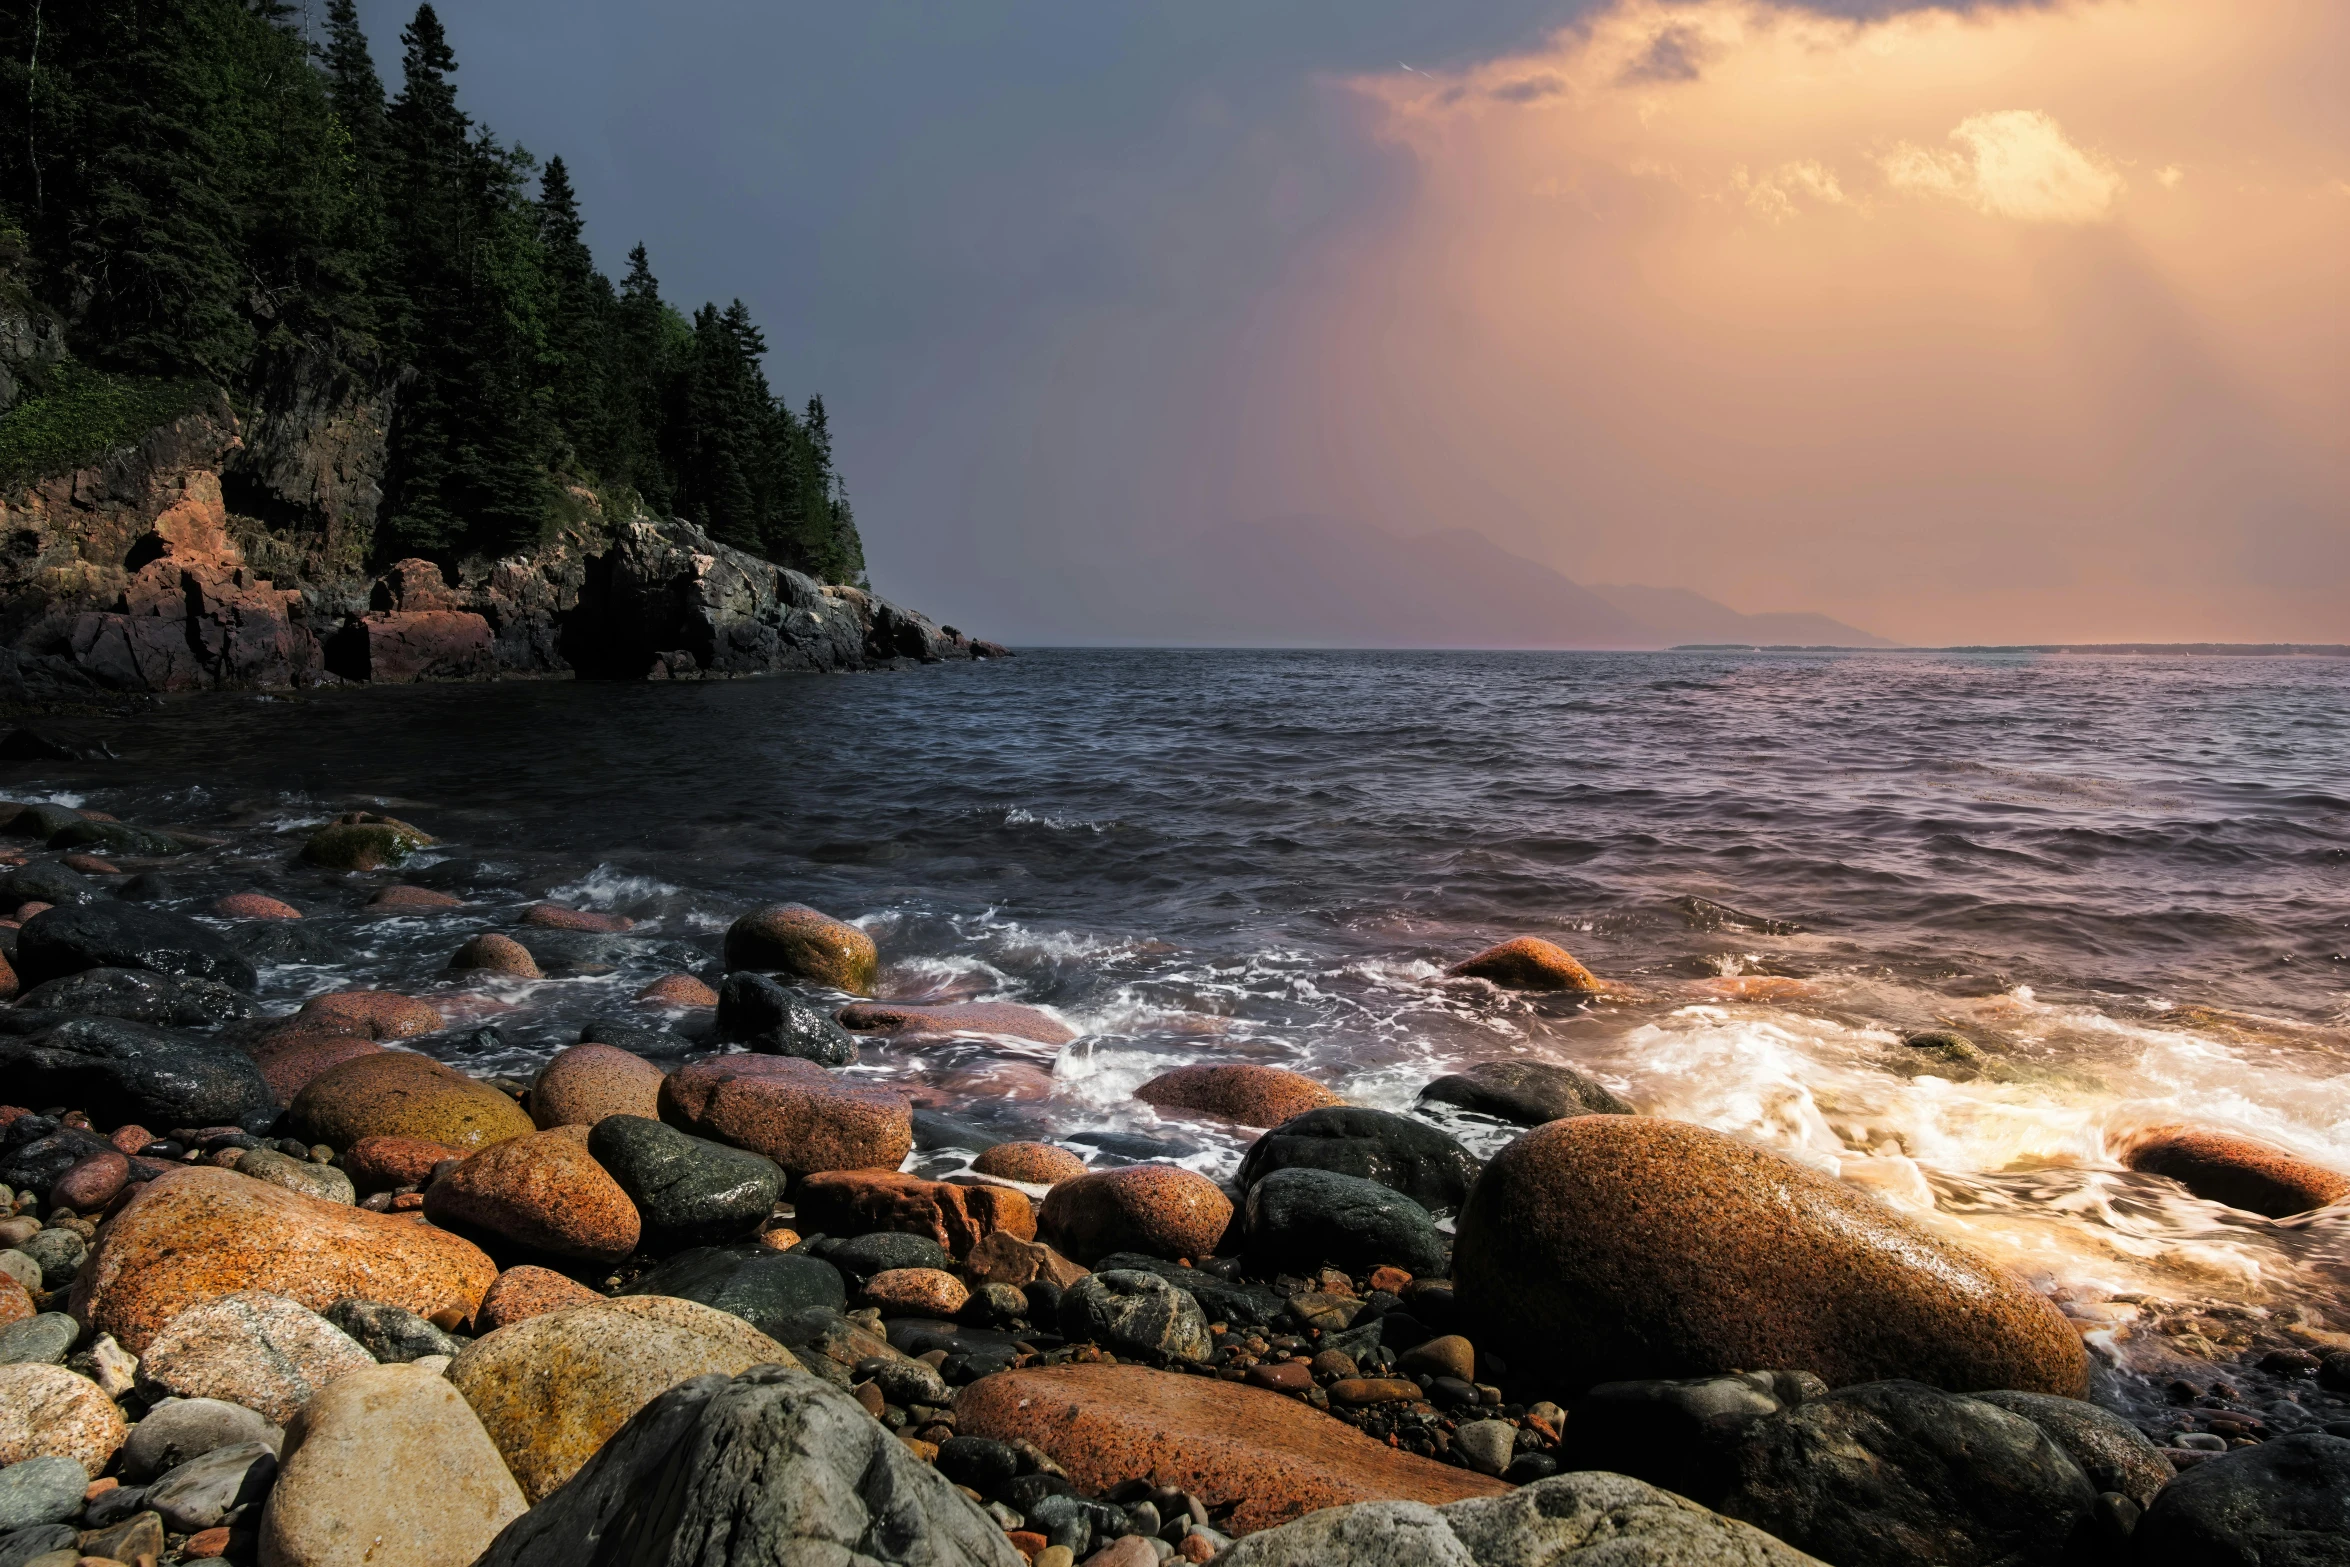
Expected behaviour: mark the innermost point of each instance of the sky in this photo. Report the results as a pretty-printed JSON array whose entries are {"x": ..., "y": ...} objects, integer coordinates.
[{"x": 2014, "y": 323}]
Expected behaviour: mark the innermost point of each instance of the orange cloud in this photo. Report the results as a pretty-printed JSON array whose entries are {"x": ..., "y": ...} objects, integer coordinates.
[{"x": 2015, "y": 324}]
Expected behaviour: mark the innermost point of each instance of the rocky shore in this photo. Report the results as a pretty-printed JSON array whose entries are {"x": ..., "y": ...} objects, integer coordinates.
[{"x": 280, "y": 1284}]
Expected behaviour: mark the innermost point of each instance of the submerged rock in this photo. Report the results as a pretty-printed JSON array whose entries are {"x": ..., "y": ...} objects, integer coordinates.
[
  {"x": 1424, "y": 1163},
  {"x": 1605, "y": 1248},
  {"x": 956, "y": 1017},
  {"x": 1530, "y": 963},
  {"x": 2238, "y": 1171},
  {"x": 1524, "y": 1093}
]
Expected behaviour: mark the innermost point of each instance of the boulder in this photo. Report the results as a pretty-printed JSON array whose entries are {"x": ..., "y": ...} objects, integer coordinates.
[
  {"x": 1423, "y": 1163},
  {"x": 1265, "y": 1457},
  {"x": 773, "y": 1021},
  {"x": 139, "y": 995},
  {"x": 1571, "y": 1520},
  {"x": 582, "y": 1084},
  {"x": 66, "y": 941},
  {"x": 260, "y": 1350},
  {"x": 1301, "y": 1218},
  {"x": 1135, "y": 1313},
  {"x": 322, "y": 1181},
  {"x": 1237, "y": 1091},
  {"x": 1607, "y": 1248},
  {"x": 220, "y": 1487},
  {"x": 1038, "y": 1164},
  {"x": 762, "y": 1287},
  {"x": 383, "y": 1163},
  {"x": 362, "y": 841},
  {"x": 795, "y": 940},
  {"x": 552, "y": 1389},
  {"x": 2284, "y": 1503},
  {"x": 678, "y": 990},
  {"x": 199, "y": 1233},
  {"x": 771, "y": 1466},
  {"x": 2238, "y": 1171},
  {"x": 388, "y": 1468},
  {"x": 393, "y": 1335},
  {"x": 290, "y": 1062},
  {"x": 1524, "y": 1093},
  {"x": 2114, "y": 1454},
  {"x": 545, "y": 1192},
  {"x": 1163, "y": 1210},
  {"x": 688, "y": 1190},
  {"x": 518, "y": 1294},
  {"x": 120, "y": 1072},
  {"x": 1677, "y": 1433},
  {"x": 47, "y": 1336},
  {"x": 1000, "y": 1018},
  {"x": 178, "y": 1429},
  {"x": 554, "y": 916},
  {"x": 50, "y": 1411},
  {"x": 1529, "y": 963},
  {"x": 491, "y": 953},
  {"x": 92, "y": 1182},
  {"x": 117, "y": 838},
  {"x": 253, "y": 906},
  {"x": 917, "y": 1292},
  {"x": 40, "y": 1490},
  {"x": 1241, "y": 1305},
  {"x": 795, "y": 1113},
  {"x": 402, "y": 1094},
  {"x": 404, "y": 899},
  {"x": 1892, "y": 1473},
  {"x": 50, "y": 883},
  {"x": 376, "y": 1014},
  {"x": 862, "y": 1256},
  {"x": 852, "y": 1202}
]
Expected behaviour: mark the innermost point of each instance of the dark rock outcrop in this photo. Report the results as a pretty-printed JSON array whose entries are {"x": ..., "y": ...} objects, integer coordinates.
[
  {"x": 127, "y": 1072},
  {"x": 2286, "y": 1501}
]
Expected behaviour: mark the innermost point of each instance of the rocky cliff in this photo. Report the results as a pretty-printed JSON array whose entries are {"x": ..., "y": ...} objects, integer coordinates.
[{"x": 226, "y": 553}]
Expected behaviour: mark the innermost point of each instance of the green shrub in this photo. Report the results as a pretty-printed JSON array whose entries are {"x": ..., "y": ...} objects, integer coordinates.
[{"x": 82, "y": 414}]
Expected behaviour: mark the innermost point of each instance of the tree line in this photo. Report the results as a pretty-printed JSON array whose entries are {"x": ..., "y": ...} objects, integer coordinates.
[{"x": 201, "y": 189}]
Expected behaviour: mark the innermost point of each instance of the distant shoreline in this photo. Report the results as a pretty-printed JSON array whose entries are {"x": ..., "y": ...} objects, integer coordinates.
[{"x": 2210, "y": 649}]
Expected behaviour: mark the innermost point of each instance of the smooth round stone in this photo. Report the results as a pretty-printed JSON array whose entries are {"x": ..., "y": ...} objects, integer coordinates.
[
  {"x": 1135, "y": 1313},
  {"x": 1614, "y": 1248},
  {"x": 404, "y": 899},
  {"x": 378, "y": 1164},
  {"x": 491, "y": 953},
  {"x": 378, "y": 1014},
  {"x": 263, "y": 1351},
  {"x": 796, "y": 940},
  {"x": 1423, "y": 1162},
  {"x": 520, "y": 1293},
  {"x": 40, "y": 1490},
  {"x": 1237, "y": 1091},
  {"x": 291, "y": 1061},
  {"x": 582, "y": 1084},
  {"x": 796, "y": 1113},
  {"x": 1162, "y": 1210},
  {"x": 45, "y": 1339},
  {"x": 1524, "y": 1093},
  {"x": 1529, "y": 963},
  {"x": 678, "y": 990},
  {"x": 399, "y": 1093},
  {"x": 762, "y": 1287},
  {"x": 544, "y": 1191},
  {"x": 689, "y": 1190},
  {"x": 1304, "y": 1218},
  {"x": 50, "y": 1410},
  {"x": 93, "y": 1183},
  {"x": 178, "y": 1429},
  {"x": 917, "y": 1292},
  {"x": 1039, "y": 1164},
  {"x": 2238, "y": 1171},
  {"x": 254, "y": 906},
  {"x": 554, "y": 916},
  {"x": 322, "y": 1181}
]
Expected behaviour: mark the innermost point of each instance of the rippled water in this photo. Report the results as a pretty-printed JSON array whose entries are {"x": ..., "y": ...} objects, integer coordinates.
[{"x": 2126, "y": 879}]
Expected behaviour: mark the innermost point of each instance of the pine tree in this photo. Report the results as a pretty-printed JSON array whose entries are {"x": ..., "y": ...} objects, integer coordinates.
[{"x": 579, "y": 312}]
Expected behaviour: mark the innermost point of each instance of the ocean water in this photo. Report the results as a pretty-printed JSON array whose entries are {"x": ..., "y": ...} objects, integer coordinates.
[{"x": 2126, "y": 879}]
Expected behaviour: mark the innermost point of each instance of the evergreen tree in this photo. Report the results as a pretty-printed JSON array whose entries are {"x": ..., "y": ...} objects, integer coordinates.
[{"x": 579, "y": 311}]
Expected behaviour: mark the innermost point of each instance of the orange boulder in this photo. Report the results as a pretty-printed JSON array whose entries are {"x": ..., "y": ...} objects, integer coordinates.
[
  {"x": 1237, "y": 1091},
  {"x": 1530, "y": 963},
  {"x": 855, "y": 1202}
]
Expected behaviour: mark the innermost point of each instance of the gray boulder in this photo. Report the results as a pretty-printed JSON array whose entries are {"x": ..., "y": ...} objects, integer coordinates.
[
  {"x": 1421, "y": 1161},
  {"x": 25, "y": 1545},
  {"x": 689, "y": 1190},
  {"x": 774, "y": 1468},
  {"x": 1887, "y": 1474},
  {"x": 48, "y": 1337},
  {"x": 73, "y": 937},
  {"x": 1571, "y": 1520},
  {"x": 216, "y": 1488},
  {"x": 129, "y": 1072},
  {"x": 40, "y": 1490},
  {"x": 1136, "y": 1313},
  {"x": 1524, "y": 1093},
  {"x": 1299, "y": 1219},
  {"x": 394, "y": 1335},
  {"x": 760, "y": 1286},
  {"x": 141, "y": 996},
  {"x": 2114, "y": 1454},
  {"x": 178, "y": 1429},
  {"x": 2285, "y": 1503}
]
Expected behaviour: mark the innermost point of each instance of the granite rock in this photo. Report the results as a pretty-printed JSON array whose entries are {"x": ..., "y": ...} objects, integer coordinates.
[
  {"x": 1250, "y": 1094},
  {"x": 795, "y": 940},
  {"x": 544, "y": 1192},
  {"x": 253, "y": 1348},
  {"x": 689, "y": 1191},
  {"x": 1160, "y": 1209}
]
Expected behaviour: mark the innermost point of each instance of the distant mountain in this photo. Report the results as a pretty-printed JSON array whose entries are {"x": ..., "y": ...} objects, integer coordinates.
[{"x": 1321, "y": 582}]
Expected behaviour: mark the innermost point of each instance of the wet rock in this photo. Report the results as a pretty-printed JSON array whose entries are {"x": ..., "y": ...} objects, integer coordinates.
[
  {"x": 179, "y": 1429},
  {"x": 382, "y": 1164},
  {"x": 690, "y": 1191},
  {"x": 1002, "y": 1018},
  {"x": 90, "y": 865},
  {"x": 198, "y": 1233},
  {"x": 118, "y": 838},
  {"x": 376, "y": 1014},
  {"x": 1412, "y": 1157},
  {"x": 764, "y": 1288},
  {"x": 1265, "y": 1457},
  {"x": 852, "y": 1202},
  {"x": 838, "y": 1482},
  {"x": 1313, "y": 1217},
  {"x": 794, "y": 1112},
  {"x": 554, "y": 916},
  {"x": 46, "y": 1338},
  {"x": 92, "y": 1183},
  {"x": 1573, "y": 1520},
  {"x": 223, "y": 1484},
  {"x": 583, "y": 1084},
  {"x": 553, "y": 1389},
  {"x": 391, "y": 1468},
  {"x": 125, "y": 935},
  {"x": 404, "y": 899},
  {"x": 119, "y": 1071},
  {"x": 862, "y": 1256},
  {"x": 40, "y": 1490},
  {"x": 2286, "y": 1501},
  {"x": 545, "y": 1192},
  {"x": 322, "y": 1181},
  {"x": 1237, "y": 1091},
  {"x": 280, "y": 942},
  {"x": 149, "y": 887},
  {"x": 1529, "y": 963},
  {"x": 836, "y": 1349},
  {"x": 263, "y": 1351},
  {"x": 56, "y": 885},
  {"x": 678, "y": 990},
  {"x": 1136, "y": 1313},
  {"x": 928, "y": 1292},
  {"x": 40, "y": 820},
  {"x": 579, "y": 951},
  {"x": 795, "y": 940},
  {"x": 773, "y": 1021},
  {"x": 520, "y": 1293},
  {"x": 2113, "y": 1453},
  {"x": 361, "y": 841},
  {"x": 1608, "y": 1248},
  {"x": 402, "y": 1094},
  {"x": 393, "y": 1335},
  {"x": 290, "y": 1062},
  {"x": 1039, "y": 1164},
  {"x": 253, "y": 906},
  {"x": 2238, "y": 1171},
  {"x": 48, "y": 1410},
  {"x": 1160, "y": 1209},
  {"x": 141, "y": 996},
  {"x": 1678, "y": 1433},
  {"x": 491, "y": 953},
  {"x": 1524, "y": 1093},
  {"x": 1891, "y": 1473},
  {"x": 33, "y": 1165}
]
